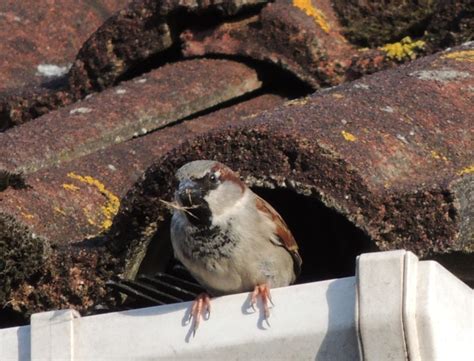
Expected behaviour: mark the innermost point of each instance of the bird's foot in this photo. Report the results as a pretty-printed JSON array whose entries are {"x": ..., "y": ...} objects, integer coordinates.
[
  {"x": 200, "y": 309},
  {"x": 264, "y": 292}
]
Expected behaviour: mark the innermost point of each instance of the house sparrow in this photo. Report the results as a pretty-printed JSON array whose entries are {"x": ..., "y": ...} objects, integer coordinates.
[{"x": 229, "y": 238}]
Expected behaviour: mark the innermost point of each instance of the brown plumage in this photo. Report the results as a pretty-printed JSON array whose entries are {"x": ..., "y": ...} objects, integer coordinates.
[
  {"x": 229, "y": 238},
  {"x": 282, "y": 231}
]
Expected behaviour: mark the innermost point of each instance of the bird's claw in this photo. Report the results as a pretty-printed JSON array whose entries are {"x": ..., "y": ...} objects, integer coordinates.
[
  {"x": 264, "y": 292},
  {"x": 252, "y": 305},
  {"x": 201, "y": 308}
]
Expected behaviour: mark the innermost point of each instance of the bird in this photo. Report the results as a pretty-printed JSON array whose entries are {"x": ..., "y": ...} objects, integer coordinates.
[{"x": 229, "y": 239}]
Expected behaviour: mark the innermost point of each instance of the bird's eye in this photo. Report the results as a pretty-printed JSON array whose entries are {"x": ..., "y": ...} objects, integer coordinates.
[{"x": 213, "y": 177}]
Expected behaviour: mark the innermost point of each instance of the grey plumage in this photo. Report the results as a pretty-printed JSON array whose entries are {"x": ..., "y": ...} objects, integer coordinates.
[
  {"x": 196, "y": 169},
  {"x": 230, "y": 245}
]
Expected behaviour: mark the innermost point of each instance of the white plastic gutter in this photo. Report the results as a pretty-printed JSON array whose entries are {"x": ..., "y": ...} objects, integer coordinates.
[{"x": 396, "y": 308}]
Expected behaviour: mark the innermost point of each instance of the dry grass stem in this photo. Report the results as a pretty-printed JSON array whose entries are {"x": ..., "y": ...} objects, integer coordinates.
[{"x": 175, "y": 205}]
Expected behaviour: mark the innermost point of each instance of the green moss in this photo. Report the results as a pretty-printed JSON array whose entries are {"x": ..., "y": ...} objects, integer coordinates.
[
  {"x": 21, "y": 255},
  {"x": 374, "y": 23}
]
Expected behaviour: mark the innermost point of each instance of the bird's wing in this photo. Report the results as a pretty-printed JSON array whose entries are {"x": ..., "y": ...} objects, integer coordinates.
[{"x": 282, "y": 231}]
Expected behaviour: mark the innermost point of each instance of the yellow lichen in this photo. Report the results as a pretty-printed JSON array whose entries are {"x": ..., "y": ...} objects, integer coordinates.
[
  {"x": 297, "y": 101},
  {"x": 90, "y": 217},
  {"x": 467, "y": 170},
  {"x": 111, "y": 206},
  {"x": 59, "y": 210},
  {"x": 117, "y": 63},
  {"x": 315, "y": 13},
  {"x": 24, "y": 213},
  {"x": 461, "y": 55},
  {"x": 439, "y": 156},
  {"x": 349, "y": 136},
  {"x": 70, "y": 187},
  {"x": 27, "y": 215},
  {"x": 404, "y": 49},
  {"x": 337, "y": 95}
]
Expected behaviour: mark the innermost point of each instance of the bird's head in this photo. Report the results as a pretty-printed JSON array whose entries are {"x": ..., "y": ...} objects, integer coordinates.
[{"x": 207, "y": 189}]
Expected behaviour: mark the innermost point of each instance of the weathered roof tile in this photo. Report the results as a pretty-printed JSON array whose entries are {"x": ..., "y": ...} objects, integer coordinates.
[
  {"x": 133, "y": 108},
  {"x": 40, "y": 41}
]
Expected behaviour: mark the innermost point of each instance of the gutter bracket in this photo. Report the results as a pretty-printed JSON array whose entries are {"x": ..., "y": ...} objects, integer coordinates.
[{"x": 52, "y": 335}]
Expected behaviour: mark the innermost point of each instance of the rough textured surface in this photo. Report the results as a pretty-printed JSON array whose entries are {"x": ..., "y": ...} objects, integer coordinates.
[
  {"x": 17, "y": 244},
  {"x": 452, "y": 24},
  {"x": 78, "y": 199},
  {"x": 143, "y": 29},
  {"x": 134, "y": 108},
  {"x": 373, "y": 22},
  {"x": 67, "y": 206},
  {"x": 39, "y": 43},
  {"x": 301, "y": 37},
  {"x": 392, "y": 152},
  {"x": 385, "y": 162},
  {"x": 70, "y": 277}
]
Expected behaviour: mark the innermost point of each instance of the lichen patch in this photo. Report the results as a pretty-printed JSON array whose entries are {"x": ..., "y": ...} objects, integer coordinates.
[
  {"x": 405, "y": 49},
  {"x": 442, "y": 75},
  {"x": 108, "y": 210},
  {"x": 467, "y": 170},
  {"x": 314, "y": 12},
  {"x": 461, "y": 55},
  {"x": 348, "y": 136}
]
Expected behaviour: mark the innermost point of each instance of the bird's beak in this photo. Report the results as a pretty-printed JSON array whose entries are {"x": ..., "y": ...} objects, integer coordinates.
[{"x": 189, "y": 193}]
